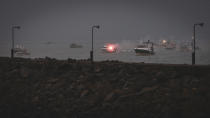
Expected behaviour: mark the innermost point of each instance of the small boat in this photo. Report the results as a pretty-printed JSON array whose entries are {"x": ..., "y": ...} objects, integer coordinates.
[
  {"x": 109, "y": 48},
  {"x": 187, "y": 47},
  {"x": 168, "y": 44},
  {"x": 74, "y": 45},
  {"x": 145, "y": 49},
  {"x": 21, "y": 51}
]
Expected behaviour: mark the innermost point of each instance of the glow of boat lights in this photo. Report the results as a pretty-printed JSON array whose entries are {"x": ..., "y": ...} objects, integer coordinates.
[
  {"x": 110, "y": 48},
  {"x": 164, "y": 41}
]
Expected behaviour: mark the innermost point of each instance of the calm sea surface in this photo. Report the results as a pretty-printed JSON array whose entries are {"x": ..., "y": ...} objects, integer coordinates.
[{"x": 62, "y": 50}]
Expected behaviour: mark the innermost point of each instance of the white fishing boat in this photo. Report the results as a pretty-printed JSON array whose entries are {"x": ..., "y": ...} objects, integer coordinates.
[
  {"x": 74, "y": 45},
  {"x": 21, "y": 51},
  {"x": 109, "y": 48},
  {"x": 168, "y": 44},
  {"x": 145, "y": 49}
]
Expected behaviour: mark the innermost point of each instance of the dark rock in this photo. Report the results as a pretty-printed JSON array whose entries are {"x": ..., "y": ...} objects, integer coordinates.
[
  {"x": 69, "y": 88},
  {"x": 109, "y": 96},
  {"x": 147, "y": 89},
  {"x": 84, "y": 93}
]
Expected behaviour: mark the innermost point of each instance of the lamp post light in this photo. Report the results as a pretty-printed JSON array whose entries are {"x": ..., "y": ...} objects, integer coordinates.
[
  {"x": 193, "y": 53},
  {"x": 91, "y": 52},
  {"x": 13, "y": 37}
]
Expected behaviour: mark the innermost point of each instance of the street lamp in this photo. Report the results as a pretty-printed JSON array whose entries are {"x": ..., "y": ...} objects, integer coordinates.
[
  {"x": 91, "y": 52},
  {"x": 13, "y": 37},
  {"x": 193, "y": 53}
]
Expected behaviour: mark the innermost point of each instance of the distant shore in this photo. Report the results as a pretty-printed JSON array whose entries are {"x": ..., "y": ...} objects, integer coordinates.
[{"x": 50, "y": 88}]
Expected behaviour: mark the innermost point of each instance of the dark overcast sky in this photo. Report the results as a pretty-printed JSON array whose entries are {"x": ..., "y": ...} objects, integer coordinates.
[{"x": 64, "y": 20}]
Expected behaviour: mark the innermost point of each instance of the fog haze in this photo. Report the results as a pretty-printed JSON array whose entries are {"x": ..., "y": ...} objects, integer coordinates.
[{"x": 67, "y": 21}]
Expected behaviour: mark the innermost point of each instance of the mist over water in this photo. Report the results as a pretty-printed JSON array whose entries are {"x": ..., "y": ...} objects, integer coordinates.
[
  {"x": 126, "y": 53},
  {"x": 48, "y": 27}
]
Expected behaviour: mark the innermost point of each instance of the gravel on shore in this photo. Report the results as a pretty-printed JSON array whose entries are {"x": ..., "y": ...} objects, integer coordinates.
[{"x": 50, "y": 88}]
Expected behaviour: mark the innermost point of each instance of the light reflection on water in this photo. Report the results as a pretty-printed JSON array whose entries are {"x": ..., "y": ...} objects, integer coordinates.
[{"x": 62, "y": 51}]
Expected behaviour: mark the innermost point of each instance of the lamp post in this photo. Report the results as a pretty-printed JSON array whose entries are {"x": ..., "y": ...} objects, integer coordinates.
[
  {"x": 193, "y": 53},
  {"x": 13, "y": 37},
  {"x": 91, "y": 52}
]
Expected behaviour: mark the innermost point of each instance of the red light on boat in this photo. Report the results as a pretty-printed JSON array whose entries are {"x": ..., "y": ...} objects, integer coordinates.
[{"x": 111, "y": 48}]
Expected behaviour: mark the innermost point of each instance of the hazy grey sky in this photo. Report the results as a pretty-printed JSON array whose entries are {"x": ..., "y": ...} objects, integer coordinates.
[{"x": 69, "y": 20}]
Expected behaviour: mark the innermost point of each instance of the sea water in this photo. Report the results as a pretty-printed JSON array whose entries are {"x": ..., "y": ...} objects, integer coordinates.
[{"x": 125, "y": 53}]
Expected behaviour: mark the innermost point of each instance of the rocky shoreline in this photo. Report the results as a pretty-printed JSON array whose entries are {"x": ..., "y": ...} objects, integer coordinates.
[{"x": 50, "y": 88}]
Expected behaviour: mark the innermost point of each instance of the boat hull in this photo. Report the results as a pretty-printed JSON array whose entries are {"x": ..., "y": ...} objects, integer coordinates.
[
  {"x": 106, "y": 51},
  {"x": 143, "y": 51}
]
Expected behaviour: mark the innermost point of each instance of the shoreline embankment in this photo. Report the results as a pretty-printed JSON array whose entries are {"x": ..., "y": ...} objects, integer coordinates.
[{"x": 50, "y": 88}]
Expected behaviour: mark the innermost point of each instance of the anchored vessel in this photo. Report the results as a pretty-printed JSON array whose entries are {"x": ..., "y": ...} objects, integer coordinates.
[
  {"x": 145, "y": 49},
  {"x": 168, "y": 44},
  {"x": 21, "y": 51},
  {"x": 109, "y": 48},
  {"x": 74, "y": 45}
]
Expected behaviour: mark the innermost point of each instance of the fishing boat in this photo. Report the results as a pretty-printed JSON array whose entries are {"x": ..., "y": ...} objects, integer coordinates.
[
  {"x": 74, "y": 45},
  {"x": 109, "y": 48},
  {"x": 21, "y": 51},
  {"x": 170, "y": 45},
  {"x": 144, "y": 49}
]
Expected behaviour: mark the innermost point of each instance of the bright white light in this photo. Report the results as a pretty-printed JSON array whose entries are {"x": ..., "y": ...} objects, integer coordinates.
[
  {"x": 164, "y": 41},
  {"x": 111, "y": 48}
]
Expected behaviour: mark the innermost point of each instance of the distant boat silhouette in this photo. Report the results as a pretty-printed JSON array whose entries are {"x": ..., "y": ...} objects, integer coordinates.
[
  {"x": 74, "y": 45},
  {"x": 187, "y": 46},
  {"x": 145, "y": 49},
  {"x": 109, "y": 48},
  {"x": 168, "y": 44},
  {"x": 20, "y": 50}
]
